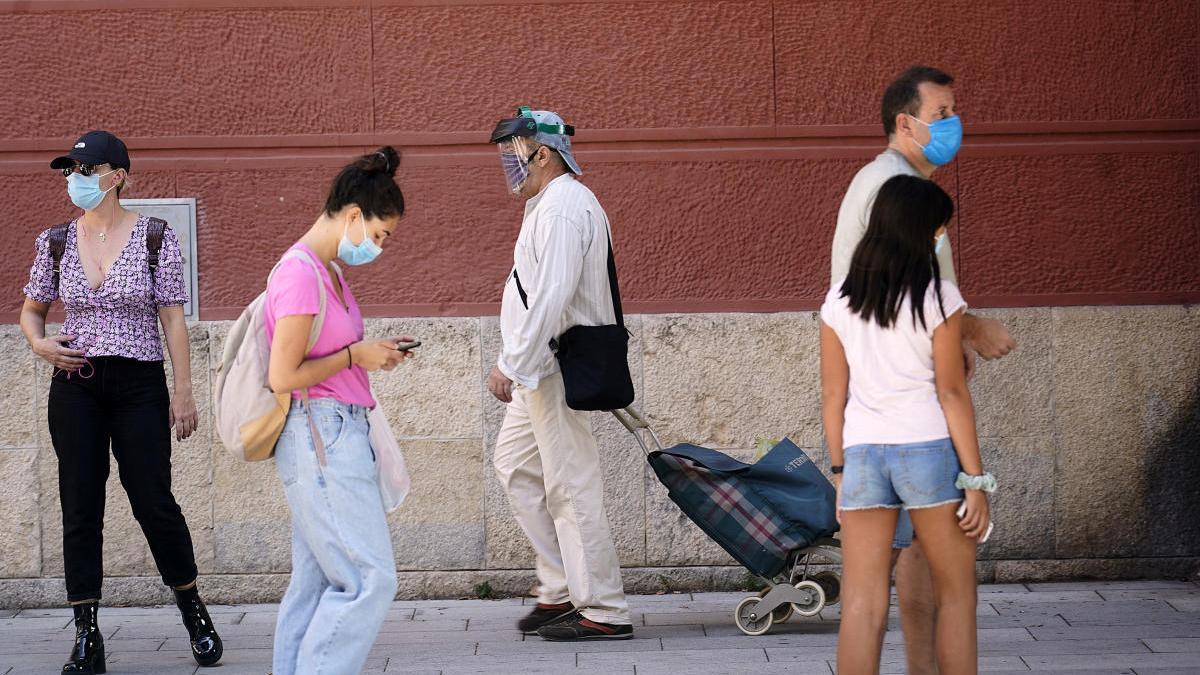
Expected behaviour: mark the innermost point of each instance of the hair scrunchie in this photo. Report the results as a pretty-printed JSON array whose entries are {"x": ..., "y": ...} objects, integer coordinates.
[{"x": 986, "y": 482}]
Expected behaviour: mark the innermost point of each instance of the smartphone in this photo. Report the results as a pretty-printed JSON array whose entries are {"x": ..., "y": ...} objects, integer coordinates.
[
  {"x": 407, "y": 346},
  {"x": 962, "y": 511}
]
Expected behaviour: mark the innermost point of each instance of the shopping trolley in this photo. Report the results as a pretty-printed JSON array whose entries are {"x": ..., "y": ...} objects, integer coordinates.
[{"x": 776, "y": 517}]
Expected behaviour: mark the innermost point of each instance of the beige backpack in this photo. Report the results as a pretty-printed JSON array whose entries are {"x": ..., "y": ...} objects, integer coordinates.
[{"x": 250, "y": 417}]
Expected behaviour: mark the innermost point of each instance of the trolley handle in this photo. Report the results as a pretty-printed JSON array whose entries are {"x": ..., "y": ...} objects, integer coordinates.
[{"x": 637, "y": 425}]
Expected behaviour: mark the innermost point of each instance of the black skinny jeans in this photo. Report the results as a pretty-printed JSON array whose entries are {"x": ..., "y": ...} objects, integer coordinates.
[{"x": 126, "y": 402}]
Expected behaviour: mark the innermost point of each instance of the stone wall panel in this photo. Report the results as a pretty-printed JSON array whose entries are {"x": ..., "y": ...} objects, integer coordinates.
[
  {"x": 20, "y": 524},
  {"x": 1127, "y": 409},
  {"x": 435, "y": 394},
  {"x": 441, "y": 523},
  {"x": 18, "y": 423},
  {"x": 1090, "y": 425},
  {"x": 251, "y": 522},
  {"x": 724, "y": 380},
  {"x": 1023, "y": 507}
]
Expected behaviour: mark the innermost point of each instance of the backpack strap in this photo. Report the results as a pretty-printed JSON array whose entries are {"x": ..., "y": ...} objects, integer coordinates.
[
  {"x": 319, "y": 319},
  {"x": 313, "y": 335},
  {"x": 58, "y": 246},
  {"x": 155, "y": 227}
]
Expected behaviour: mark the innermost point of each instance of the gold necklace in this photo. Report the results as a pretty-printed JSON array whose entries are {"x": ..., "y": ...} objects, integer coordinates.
[{"x": 101, "y": 234}]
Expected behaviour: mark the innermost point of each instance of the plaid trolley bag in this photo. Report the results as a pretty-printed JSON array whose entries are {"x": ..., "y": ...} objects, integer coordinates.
[{"x": 774, "y": 517}]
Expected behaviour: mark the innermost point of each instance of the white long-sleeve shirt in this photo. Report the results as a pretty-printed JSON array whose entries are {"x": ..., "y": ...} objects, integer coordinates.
[{"x": 561, "y": 257}]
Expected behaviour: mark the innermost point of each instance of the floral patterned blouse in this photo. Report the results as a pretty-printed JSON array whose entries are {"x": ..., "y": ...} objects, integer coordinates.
[{"x": 120, "y": 318}]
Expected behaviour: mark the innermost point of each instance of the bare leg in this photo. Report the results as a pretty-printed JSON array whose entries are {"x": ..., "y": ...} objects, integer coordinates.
[
  {"x": 951, "y": 557},
  {"x": 918, "y": 611},
  {"x": 866, "y": 563}
]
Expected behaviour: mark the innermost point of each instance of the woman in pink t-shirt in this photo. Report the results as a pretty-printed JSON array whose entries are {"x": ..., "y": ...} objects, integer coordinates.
[{"x": 343, "y": 571}]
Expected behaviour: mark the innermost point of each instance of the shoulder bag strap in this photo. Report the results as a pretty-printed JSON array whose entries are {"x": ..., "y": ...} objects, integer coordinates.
[
  {"x": 613, "y": 287},
  {"x": 520, "y": 289},
  {"x": 612, "y": 281}
]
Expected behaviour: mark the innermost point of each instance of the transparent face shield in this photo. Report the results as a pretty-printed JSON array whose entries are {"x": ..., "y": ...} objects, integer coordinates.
[
  {"x": 515, "y": 155},
  {"x": 514, "y": 137}
]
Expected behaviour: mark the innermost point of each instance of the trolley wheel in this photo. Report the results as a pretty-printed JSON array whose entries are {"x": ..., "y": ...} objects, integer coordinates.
[
  {"x": 831, "y": 583},
  {"x": 781, "y": 613},
  {"x": 816, "y": 598},
  {"x": 748, "y": 620}
]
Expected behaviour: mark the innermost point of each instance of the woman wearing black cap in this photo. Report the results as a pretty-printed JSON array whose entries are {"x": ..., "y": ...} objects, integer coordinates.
[{"x": 119, "y": 275}]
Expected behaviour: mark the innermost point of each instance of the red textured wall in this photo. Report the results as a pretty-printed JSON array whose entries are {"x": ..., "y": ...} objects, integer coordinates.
[{"x": 719, "y": 136}]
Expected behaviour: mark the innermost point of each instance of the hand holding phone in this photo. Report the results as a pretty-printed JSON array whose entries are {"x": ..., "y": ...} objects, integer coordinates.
[{"x": 962, "y": 511}]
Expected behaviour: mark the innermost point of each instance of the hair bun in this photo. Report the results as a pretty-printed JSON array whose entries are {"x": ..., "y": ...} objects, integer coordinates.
[{"x": 384, "y": 160}]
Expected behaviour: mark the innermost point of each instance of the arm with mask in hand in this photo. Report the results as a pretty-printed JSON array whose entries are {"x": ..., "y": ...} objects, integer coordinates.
[{"x": 986, "y": 337}]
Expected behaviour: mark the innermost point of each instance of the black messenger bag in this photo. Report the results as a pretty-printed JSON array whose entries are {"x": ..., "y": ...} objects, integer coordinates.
[{"x": 595, "y": 359}]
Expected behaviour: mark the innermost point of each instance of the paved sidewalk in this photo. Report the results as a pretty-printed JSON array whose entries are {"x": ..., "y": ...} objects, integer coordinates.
[{"x": 1142, "y": 627}]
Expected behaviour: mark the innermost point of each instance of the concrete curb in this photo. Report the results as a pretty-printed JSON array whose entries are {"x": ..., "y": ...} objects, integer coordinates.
[{"x": 457, "y": 584}]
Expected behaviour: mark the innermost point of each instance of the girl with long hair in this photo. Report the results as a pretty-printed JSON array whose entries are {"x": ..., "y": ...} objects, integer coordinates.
[{"x": 900, "y": 425}]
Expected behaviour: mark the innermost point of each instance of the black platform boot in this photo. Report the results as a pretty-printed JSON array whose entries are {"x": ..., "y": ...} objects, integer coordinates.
[
  {"x": 206, "y": 644},
  {"x": 87, "y": 656}
]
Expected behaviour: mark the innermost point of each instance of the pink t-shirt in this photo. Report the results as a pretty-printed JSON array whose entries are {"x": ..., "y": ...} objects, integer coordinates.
[{"x": 292, "y": 291}]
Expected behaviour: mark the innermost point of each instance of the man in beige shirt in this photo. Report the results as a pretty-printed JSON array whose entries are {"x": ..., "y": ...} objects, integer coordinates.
[{"x": 923, "y": 133}]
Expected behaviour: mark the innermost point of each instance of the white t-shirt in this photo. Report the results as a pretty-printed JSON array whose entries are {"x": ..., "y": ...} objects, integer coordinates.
[
  {"x": 893, "y": 396},
  {"x": 855, "y": 213}
]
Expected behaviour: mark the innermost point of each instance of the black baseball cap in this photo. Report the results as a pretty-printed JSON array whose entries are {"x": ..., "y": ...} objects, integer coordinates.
[{"x": 95, "y": 147}]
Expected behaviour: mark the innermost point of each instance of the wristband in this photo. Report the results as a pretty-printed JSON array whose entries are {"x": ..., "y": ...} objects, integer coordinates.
[
  {"x": 837, "y": 468},
  {"x": 985, "y": 482},
  {"x": 349, "y": 358}
]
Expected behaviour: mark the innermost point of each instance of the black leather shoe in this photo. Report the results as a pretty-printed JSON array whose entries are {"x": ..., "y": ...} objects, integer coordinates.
[
  {"x": 87, "y": 656},
  {"x": 206, "y": 644},
  {"x": 583, "y": 629},
  {"x": 545, "y": 615}
]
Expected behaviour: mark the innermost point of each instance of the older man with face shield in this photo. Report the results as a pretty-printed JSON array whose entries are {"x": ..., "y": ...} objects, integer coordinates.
[{"x": 546, "y": 456}]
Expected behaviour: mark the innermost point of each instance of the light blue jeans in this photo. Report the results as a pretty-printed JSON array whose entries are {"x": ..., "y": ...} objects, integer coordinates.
[{"x": 343, "y": 570}]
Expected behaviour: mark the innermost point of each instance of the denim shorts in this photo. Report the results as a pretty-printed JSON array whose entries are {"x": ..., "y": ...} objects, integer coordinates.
[{"x": 906, "y": 476}]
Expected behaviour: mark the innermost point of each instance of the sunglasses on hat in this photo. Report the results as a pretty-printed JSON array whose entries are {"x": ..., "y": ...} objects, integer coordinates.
[{"x": 81, "y": 169}]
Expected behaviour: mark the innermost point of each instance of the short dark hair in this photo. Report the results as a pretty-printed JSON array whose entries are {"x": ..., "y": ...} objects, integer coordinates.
[
  {"x": 896, "y": 257},
  {"x": 903, "y": 95},
  {"x": 369, "y": 183}
]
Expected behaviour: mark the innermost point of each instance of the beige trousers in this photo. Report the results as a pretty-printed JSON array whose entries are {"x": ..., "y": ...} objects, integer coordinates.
[{"x": 546, "y": 458}]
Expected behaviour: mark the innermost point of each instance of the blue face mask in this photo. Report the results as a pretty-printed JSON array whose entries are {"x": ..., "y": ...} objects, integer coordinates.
[
  {"x": 939, "y": 244},
  {"x": 360, "y": 253},
  {"x": 85, "y": 191},
  {"x": 945, "y": 137}
]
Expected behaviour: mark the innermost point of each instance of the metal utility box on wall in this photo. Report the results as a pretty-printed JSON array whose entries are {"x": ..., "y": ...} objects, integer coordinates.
[{"x": 180, "y": 214}]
